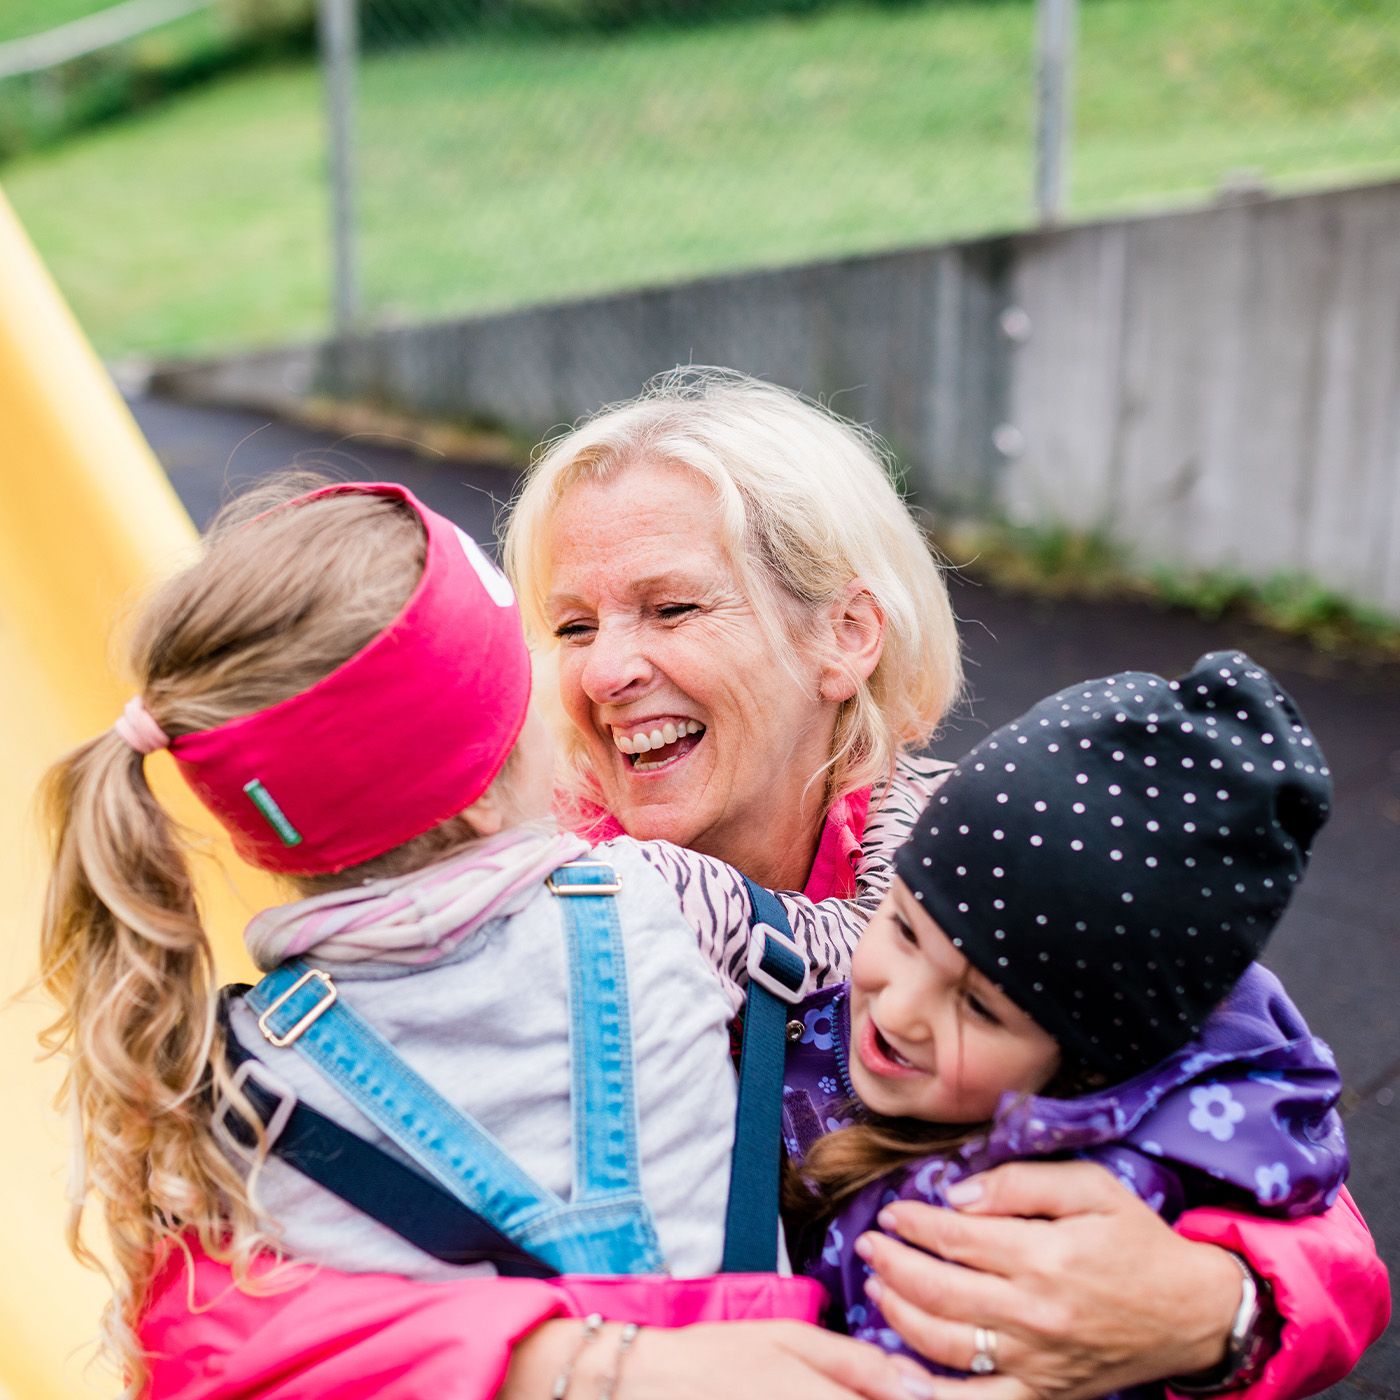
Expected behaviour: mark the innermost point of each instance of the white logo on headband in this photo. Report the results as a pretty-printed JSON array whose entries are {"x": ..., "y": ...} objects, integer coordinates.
[{"x": 492, "y": 579}]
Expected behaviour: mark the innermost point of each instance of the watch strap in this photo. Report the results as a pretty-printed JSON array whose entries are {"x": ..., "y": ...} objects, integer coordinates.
[{"x": 1248, "y": 1346}]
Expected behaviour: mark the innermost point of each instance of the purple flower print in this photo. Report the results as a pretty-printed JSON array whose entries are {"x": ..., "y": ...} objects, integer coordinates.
[
  {"x": 1215, "y": 1110},
  {"x": 1272, "y": 1182},
  {"x": 820, "y": 1022},
  {"x": 835, "y": 1243}
]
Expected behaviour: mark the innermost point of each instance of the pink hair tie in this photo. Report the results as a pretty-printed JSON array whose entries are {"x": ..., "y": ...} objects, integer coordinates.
[{"x": 138, "y": 728}]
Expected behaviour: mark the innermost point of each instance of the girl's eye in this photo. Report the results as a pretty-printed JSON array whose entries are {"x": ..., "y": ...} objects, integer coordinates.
[{"x": 981, "y": 1010}]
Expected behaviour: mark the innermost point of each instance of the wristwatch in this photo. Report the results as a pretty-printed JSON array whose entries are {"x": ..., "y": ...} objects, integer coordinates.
[{"x": 1253, "y": 1339}]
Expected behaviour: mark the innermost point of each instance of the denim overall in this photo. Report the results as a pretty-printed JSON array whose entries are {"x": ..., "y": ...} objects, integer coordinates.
[
  {"x": 606, "y": 1227},
  {"x": 469, "y": 1199}
]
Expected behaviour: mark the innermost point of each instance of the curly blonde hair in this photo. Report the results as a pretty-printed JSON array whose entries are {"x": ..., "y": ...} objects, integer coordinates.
[
  {"x": 277, "y": 601},
  {"x": 806, "y": 505}
]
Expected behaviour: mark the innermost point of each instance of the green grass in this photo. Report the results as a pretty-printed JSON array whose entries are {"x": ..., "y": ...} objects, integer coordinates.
[
  {"x": 1056, "y": 561},
  {"x": 510, "y": 170},
  {"x": 21, "y": 18}
]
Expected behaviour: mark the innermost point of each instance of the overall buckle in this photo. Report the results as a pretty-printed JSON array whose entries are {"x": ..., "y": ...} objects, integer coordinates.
[
  {"x": 328, "y": 999},
  {"x": 776, "y": 963},
  {"x": 570, "y": 887},
  {"x": 266, "y": 1083}
]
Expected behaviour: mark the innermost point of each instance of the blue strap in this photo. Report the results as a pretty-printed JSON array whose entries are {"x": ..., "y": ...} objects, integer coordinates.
[
  {"x": 600, "y": 1034},
  {"x": 448, "y": 1144},
  {"x": 366, "y": 1177},
  {"x": 751, "y": 1218}
]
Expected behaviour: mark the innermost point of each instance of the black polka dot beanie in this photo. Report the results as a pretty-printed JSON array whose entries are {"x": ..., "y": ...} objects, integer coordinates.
[{"x": 1115, "y": 858}]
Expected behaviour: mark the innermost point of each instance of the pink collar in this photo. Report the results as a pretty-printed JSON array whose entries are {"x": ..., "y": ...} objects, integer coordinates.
[{"x": 833, "y": 872}]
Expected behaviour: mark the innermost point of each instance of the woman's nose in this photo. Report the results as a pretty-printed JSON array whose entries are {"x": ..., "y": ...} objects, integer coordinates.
[{"x": 614, "y": 666}]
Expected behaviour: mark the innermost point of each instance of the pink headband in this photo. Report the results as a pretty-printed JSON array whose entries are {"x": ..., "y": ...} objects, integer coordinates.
[{"x": 403, "y": 735}]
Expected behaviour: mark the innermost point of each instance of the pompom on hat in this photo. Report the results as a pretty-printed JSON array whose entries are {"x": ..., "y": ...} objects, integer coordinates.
[
  {"x": 408, "y": 732},
  {"x": 1115, "y": 858}
]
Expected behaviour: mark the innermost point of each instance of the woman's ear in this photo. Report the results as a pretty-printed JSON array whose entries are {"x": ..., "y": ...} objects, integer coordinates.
[{"x": 858, "y": 638}]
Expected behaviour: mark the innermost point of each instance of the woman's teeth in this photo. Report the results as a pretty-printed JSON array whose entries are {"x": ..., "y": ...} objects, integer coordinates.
[{"x": 645, "y": 740}]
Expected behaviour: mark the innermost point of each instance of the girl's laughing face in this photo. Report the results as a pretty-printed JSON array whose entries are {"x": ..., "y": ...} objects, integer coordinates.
[{"x": 931, "y": 1036}]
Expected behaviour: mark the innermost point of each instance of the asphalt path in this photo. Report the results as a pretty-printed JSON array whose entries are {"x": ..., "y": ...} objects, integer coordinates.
[{"x": 1338, "y": 948}]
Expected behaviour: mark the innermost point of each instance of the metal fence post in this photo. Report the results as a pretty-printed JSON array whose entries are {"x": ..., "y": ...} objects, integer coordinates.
[
  {"x": 1055, "y": 32},
  {"x": 336, "y": 24}
]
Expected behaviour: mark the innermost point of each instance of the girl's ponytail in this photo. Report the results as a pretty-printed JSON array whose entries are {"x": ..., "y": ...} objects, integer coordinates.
[
  {"x": 278, "y": 600},
  {"x": 126, "y": 958}
]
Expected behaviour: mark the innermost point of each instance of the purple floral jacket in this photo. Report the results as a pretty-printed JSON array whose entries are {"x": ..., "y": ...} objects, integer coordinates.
[{"x": 1243, "y": 1116}]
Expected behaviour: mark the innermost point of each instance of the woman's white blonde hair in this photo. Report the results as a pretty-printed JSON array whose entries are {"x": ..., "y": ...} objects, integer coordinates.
[{"x": 806, "y": 504}]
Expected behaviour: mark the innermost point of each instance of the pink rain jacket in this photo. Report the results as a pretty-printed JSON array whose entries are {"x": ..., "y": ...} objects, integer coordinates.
[{"x": 354, "y": 1336}]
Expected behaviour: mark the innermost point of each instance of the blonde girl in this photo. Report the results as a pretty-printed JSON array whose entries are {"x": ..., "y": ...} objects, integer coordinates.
[{"x": 342, "y": 680}]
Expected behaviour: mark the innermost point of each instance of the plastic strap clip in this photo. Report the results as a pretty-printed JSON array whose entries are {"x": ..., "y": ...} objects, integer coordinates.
[
  {"x": 776, "y": 963},
  {"x": 267, "y": 1084}
]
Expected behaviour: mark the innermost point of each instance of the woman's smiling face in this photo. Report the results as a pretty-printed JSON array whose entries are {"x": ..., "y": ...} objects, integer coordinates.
[{"x": 697, "y": 730}]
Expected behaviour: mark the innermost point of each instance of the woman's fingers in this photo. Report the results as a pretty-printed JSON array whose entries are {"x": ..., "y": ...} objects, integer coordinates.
[
  {"x": 946, "y": 1343},
  {"x": 1049, "y": 1190},
  {"x": 992, "y": 1244},
  {"x": 859, "y": 1367},
  {"x": 1097, "y": 1294},
  {"x": 746, "y": 1361},
  {"x": 978, "y": 1388},
  {"x": 943, "y": 1290}
]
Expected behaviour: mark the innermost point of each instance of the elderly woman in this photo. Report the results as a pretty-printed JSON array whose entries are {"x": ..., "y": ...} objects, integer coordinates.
[{"x": 752, "y": 643}]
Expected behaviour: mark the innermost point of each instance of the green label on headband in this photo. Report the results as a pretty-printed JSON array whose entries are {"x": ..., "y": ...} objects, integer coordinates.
[{"x": 276, "y": 818}]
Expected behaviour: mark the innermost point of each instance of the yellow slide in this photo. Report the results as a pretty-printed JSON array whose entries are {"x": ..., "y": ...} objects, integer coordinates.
[{"x": 87, "y": 520}]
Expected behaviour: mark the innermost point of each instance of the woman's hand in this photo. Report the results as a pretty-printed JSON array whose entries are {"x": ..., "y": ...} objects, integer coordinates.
[
  {"x": 714, "y": 1361},
  {"x": 1096, "y": 1294}
]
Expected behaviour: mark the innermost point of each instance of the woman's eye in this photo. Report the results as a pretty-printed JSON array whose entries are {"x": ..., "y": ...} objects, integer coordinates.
[
  {"x": 981, "y": 1010},
  {"x": 670, "y": 611},
  {"x": 573, "y": 631},
  {"x": 906, "y": 933}
]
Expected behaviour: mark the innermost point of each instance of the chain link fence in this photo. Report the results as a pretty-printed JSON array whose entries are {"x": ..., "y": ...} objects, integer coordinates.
[
  {"x": 108, "y": 62},
  {"x": 517, "y": 151},
  {"x": 510, "y": 152},
  {"x": 1190, "y": 99},
  {"x": 500, "y": 153}
]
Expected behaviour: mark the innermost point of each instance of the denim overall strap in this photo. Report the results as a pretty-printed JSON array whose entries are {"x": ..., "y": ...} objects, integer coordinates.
[
  {"x": 600, "y": 1032},
  {"x": 607, "y": 1211},
  {"x": 364, "y": 1176},
  {"x": 777, "y": 974},
  {"x": 298, "y": 1006}
]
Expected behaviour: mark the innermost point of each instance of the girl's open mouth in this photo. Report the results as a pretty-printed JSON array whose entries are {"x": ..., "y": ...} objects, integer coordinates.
[
  {"x": 651, "y": 747},
  {"x": 880, "y": 1057}
]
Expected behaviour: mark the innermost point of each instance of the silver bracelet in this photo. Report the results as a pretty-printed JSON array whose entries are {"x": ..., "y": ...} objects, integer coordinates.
[
  {"x": 592, "y": 1325},
  {"x": 624, "y": 1344}
]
